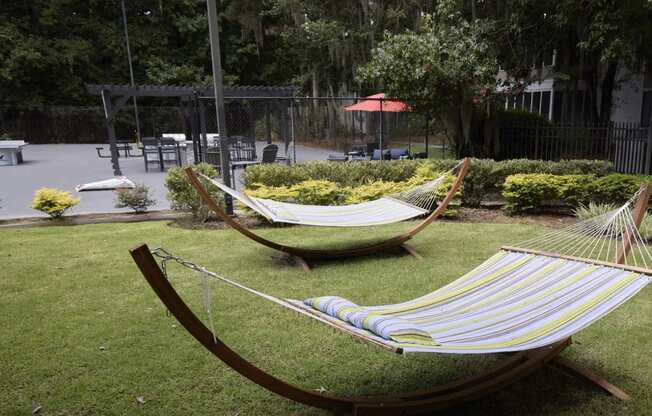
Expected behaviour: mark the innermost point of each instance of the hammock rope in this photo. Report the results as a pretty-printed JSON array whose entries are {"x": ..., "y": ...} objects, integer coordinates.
[
  {"x": 425, "y": 195},
  {"x": 599, "y": 238}
]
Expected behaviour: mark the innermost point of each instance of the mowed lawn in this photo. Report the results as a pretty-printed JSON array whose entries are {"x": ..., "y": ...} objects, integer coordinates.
[{"x": 81, "y": 332}]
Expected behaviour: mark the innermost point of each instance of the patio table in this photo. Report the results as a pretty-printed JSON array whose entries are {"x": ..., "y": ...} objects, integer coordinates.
[{"x": 11, "y": 152}]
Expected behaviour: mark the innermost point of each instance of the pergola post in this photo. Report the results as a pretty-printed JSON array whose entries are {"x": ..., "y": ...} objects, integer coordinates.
[
  {"x": 194, "y": 128},
  {"x": 268, "y": 126},
  {"x": 218, "y": 86},
  {"x": 202, "y": 128},
  {"x": 109, "y": 114}
]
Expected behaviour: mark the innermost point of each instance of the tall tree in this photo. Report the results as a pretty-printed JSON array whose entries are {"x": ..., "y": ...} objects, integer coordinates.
[{"x": 441, "y": 69}]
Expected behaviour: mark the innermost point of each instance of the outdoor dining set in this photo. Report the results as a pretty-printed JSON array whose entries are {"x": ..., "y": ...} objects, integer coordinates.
[{"x": 171, "y": 148}]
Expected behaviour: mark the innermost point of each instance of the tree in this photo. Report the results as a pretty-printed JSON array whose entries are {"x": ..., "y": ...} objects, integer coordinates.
[
  {"x": 442, "y": 69},
  {"x": 593, "y": 41}
]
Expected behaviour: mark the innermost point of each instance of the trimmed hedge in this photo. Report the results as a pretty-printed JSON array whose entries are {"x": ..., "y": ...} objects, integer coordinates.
[
  {"x": 485, "y": 176},
  {"x": 324, "y": 192},
  {"x": 528, "y": 192}
]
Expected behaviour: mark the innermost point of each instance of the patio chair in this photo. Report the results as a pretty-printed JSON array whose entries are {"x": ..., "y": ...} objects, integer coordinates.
[
  {"x": 213, "y": 156},
  {"x": 376, "y": 154},
  {"x": 399, "y": 154},
  {"x": 171, "y": 151},
  {"x": 152, "y": 152},
  {"x": 269, "y": 153}
]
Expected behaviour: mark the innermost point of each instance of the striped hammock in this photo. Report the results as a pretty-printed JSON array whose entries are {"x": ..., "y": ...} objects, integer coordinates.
[
  {"x": 523, "y": 298},
  {"x": 402, "y": 206}
]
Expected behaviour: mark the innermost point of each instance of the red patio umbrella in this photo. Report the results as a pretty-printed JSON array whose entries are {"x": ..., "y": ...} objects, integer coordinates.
[{"x": 377, "y": 103}]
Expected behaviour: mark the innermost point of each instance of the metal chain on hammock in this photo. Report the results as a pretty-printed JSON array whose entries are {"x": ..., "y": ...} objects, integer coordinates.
[{"x": 166, "y": 256}]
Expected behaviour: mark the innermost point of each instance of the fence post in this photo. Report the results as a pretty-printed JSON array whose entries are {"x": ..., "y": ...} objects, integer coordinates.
[
  {"x": 536, "y": 140},
  {"x": 648, "y": 150},
  {"x": 380, "y": 144}
]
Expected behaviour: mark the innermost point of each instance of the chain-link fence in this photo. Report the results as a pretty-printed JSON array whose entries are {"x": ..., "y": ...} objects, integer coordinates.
[
  {"x": 323, "y": 122},
  {"x": 332, "y": 123},
  {"x": 63, "y": 124}
]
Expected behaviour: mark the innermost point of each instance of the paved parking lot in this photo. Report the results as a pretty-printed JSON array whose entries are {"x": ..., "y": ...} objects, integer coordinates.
[{"x": 64, "y": 166}]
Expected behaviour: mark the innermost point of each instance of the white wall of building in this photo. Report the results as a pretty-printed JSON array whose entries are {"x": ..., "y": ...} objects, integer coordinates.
[{"x": 627, "y": 97}]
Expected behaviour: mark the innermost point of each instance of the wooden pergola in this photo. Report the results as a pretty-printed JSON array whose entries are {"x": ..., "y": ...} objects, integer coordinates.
[{"x": 191, "y": 100}]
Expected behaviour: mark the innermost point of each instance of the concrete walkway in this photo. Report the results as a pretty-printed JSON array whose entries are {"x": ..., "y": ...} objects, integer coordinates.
[{"x": 64, "y": 166}]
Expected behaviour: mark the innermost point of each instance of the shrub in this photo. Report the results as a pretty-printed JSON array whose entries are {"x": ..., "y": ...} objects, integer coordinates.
[
  {"x": 276, "y": 193},
  {"x": 319, "y": 192},
  {"x": 515, "y": 116},
  {"x": 485, "y": 176},
  {"x": 344, "y": 174},
  {"x": 585, "y": 212},
  {"x": 373, "y": 190},
  {"x": 183, "y": 196},
  {"x": 617, "y": 188},
  {"x": 525, "y": 192},
  {"x": 138, "y": 198},
  {"x": 53, "y": 202}
]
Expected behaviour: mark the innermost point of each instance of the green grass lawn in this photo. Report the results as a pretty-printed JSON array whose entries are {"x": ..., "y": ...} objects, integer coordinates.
[{"x": 82, "y": 333}]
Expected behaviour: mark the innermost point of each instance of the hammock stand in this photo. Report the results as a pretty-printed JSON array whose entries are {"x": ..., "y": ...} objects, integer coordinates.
[
  {"x": 302, "y": 255},
  {"x": 466, "y": 389}
]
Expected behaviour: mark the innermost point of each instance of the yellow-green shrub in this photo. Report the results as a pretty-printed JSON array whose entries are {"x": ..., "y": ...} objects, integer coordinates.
[
  {"x": 373, "y": 190},
  {"x": 53, "y": 202},
  {"x": 525, "y": 192},
  {"x": 319, "y": 192},
  {"x": 276, "y": 193}
]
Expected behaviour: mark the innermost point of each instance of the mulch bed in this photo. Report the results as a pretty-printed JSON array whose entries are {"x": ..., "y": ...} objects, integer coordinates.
[{"x": 184, "y": 219}]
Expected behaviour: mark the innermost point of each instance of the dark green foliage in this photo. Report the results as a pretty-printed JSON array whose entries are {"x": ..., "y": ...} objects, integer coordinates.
[
  {"x": 138, "y": 198},
  {"x": 184, "y": 197},
  {"x": 520, "y": 117},
  {"x": 616, "y": 188},
  {"x": 344, "y": 174},
  {"x": 485, "y": 177},
  {"x": 528, "y": 192}
]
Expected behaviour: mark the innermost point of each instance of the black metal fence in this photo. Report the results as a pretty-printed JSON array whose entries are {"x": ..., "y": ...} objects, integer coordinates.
[
  {"x": 320, "y": 122},
  {"x": 627, "y": 145},
  {"x": 325, "y": 122},
  {"x": 65, "y": 124}
]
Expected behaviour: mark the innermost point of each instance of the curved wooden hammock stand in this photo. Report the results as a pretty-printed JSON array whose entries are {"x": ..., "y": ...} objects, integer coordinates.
[
  {"x": 440, "y": 397},
  {"x": 303, "y": 254},
  {"x": 450, "y": 394}
]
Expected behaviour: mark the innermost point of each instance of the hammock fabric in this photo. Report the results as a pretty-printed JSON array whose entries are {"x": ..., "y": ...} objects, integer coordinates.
[
  {"x": 385, "y": 210},
  {"x": 377, "y": 212},
  {"x": 514, "y": 301}
]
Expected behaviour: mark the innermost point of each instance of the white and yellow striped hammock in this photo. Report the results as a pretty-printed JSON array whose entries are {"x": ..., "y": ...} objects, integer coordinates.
[{"x": 402, "y": 206}]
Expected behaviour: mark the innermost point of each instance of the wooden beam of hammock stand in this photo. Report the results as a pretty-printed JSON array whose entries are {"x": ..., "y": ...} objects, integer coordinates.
[
  {"x": 435, "y": 398},
  {"x": 303, "y": 254}
]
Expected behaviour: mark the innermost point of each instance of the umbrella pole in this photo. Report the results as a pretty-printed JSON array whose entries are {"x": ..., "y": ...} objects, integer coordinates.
[
  {"x": 380, "y": 142},
  {"x": 427, "y": 132}
]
